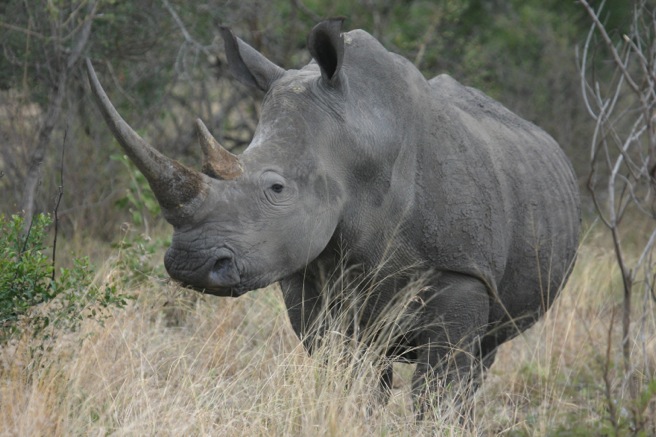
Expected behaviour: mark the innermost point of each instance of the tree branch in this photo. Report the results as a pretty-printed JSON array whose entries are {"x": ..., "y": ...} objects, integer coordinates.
[
  {"x": 56, "y": 99},
  {"x": 307, "y": 11},
  {"x": 185, "y": 33},
  {"x": 60, "y": 194},
  {"x": 609, "y": 43}
]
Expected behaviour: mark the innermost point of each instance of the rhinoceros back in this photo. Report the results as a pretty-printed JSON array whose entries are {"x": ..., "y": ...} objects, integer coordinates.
[{"x": 503, "y": 202}]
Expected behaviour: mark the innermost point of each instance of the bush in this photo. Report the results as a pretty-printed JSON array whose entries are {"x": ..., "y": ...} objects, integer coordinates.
[{"x": 28, "y": 280}]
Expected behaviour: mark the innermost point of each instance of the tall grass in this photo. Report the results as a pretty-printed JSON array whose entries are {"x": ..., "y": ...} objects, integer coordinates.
[{"x": 178, "y": 363}]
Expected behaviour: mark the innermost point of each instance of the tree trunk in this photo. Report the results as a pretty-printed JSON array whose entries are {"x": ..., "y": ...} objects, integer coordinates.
[
  {"x": 56, "y": 101},
  {"x": 33, "y": 178}
]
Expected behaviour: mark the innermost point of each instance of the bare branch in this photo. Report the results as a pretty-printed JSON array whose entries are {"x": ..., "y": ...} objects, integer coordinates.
[
  {"x": 83, "y": 36},
  {"x": 584, "y": 84},
  {"x": 623, "y": 155},
  {"x": 307, "y": 11},
  {"x": 609, "y": 43},
  {"x": 23, "y": 30},
  {"x": 647, "y": 249},
  {"x": 60, "y": 194},
  {"x": 189, "y": 40},
  {"x": 53, "y": 112}
]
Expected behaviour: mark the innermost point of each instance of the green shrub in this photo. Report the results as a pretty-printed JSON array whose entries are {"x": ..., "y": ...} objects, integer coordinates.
[
  {"x": 139, "y": 199},
  {"x": 27, "y": 280},
  {"x": 137, "y": 257}
]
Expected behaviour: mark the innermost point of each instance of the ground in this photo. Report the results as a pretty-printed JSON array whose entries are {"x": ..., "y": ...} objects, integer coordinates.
[{"x": 177, "y": 363}]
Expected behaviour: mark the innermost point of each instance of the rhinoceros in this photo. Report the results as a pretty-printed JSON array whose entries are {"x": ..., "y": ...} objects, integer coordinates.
[{"x": 359, "y": 162}]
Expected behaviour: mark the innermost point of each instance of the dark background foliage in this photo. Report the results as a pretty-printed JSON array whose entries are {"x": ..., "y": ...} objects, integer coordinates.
[{"x": 163, "y": 66}]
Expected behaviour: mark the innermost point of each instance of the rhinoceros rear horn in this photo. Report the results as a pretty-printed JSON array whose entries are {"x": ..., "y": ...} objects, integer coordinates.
[
  {"x": 178, "y": 189},
  {"x": 217, "y": 161},
  {"x": 326, "y": 46}
]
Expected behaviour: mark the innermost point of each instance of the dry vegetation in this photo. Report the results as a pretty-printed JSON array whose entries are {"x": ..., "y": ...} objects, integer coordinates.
[{"x": 178, "y": 363}]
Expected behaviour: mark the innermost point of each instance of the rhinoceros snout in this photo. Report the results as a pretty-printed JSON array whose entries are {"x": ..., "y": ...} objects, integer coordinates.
[{"x": 216, "y": 275}]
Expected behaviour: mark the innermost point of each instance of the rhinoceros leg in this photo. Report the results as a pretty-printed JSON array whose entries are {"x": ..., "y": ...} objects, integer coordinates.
[
  {"x": 385, "y": 384},
  {"x": 304, "y": 305},
  {"x": 453, "y": 319}
]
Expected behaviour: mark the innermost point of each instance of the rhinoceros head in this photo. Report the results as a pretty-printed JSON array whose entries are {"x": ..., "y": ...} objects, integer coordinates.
[{"x": 246, "y": 221}]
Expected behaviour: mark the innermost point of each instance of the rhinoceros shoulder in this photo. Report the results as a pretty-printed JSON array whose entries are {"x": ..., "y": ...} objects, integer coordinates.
[{"x": 449, "y": 92}]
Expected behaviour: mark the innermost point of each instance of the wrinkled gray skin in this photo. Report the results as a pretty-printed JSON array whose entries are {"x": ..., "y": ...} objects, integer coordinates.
[{"x": 359, "y": 161}]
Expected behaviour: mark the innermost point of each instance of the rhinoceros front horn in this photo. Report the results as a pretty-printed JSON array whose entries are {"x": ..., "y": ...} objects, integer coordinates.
[{"x": 178, "y": 189}]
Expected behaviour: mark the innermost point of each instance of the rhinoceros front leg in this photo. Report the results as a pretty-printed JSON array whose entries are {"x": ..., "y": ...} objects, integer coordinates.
[
  {"x": 304, "y": 305},
  {"x": 454, "y": 317}
]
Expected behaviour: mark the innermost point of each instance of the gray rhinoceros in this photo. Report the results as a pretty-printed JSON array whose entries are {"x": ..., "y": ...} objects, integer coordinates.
[{"x": 359, "y": 162}]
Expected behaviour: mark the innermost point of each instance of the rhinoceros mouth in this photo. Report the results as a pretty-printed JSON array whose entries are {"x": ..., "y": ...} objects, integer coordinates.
[
  {"x": 248, "y": 284},
  {"x": 221, "y": 292},
  {"x": 218, "y": 274}
]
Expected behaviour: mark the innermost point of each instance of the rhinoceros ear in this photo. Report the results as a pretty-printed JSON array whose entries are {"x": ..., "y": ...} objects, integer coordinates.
[
  {"x": 247, "y": 65},
  {"x": 326, "y": 46}
]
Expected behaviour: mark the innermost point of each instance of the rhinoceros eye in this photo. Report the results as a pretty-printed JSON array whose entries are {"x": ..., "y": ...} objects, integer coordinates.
[{"x": 276, "y": 188}]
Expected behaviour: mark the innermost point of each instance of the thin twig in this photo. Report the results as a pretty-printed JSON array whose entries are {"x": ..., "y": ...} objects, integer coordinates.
[
  {"x": 24, "y": 248},
  {"x": 609, "y": 43},
  {"x": 647, "y": 249},
  {"x": 23, "y": 30},
  {"x": 181, "y": 26},
  {"x": 619, "y": 143},
  {"x": 83, "y": 37},
  {"x": 307, "y": 11},
  {"x": 584, "y": 83},
  {"x": 608, "y": 385},
  {"x": 56, "y": 209},
  {"x": 189, "y": 41}
]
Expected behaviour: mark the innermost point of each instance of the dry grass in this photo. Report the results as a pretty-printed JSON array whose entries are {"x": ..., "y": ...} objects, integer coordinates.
[{"x": 177, "y": 363}]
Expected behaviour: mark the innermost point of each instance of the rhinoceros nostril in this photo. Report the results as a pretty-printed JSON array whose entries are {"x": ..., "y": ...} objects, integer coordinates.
[
  {"x": 224, "y": 272},
  {"x": 222, "y": 263}
]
